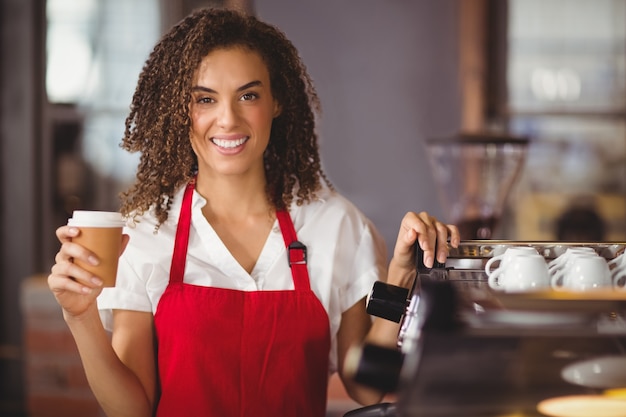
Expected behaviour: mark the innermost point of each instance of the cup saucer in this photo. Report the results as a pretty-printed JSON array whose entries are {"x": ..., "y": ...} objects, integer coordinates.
[
  {"x": 598, "y": 372},
  {"x": 582, "y": 406}
]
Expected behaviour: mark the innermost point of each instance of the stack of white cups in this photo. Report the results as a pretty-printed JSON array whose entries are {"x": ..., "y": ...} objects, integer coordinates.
[
  {"x": 580, "y": 269},
  {"x": 522, "y": 268},
  {"x": 618, "y": 271},
  {"x": 519, "y": 269}
]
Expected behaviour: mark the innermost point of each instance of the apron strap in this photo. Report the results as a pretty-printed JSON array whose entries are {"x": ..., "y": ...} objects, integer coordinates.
[
  {"x": 296, "y": 252},
  {"x": 179, "y": 258}
]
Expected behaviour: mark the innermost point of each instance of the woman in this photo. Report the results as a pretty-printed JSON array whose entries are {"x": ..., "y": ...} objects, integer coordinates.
[{"x": 244, "y": 278}]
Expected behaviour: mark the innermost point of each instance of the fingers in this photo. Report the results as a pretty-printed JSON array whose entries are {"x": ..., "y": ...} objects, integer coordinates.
[
  {"x": 65, "y": 273},
  {"x": 70, "y": 251},
  {"x": 455, "y": 235},
  {"x": 63, "y": 283},
  {"x": 428, "y": 232},
  {"x": 74, "y": 297},
  {"x": 66, "y": 233},
  {"x": 74, "y": 287}
]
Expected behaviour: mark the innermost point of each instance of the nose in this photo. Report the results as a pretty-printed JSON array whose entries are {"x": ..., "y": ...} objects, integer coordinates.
[{"x": 227, "y": 116}]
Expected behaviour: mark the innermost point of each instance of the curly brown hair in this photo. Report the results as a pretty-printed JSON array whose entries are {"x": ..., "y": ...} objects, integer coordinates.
[{"x": 158, "y": 125}]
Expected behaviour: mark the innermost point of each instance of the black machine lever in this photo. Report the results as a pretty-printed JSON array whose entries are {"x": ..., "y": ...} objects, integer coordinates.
[
  {"x": 387, "y": 301},
  {"x": 390, "y": 301},
  {"x": 419, "y": 261}
]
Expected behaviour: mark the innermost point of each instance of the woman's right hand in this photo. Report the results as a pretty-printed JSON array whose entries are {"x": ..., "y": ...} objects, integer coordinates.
[{"x": 74, "y": 288}]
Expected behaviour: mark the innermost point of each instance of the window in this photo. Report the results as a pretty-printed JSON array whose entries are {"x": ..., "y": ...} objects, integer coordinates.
[
  {"x": 565, "y": 88},
  {"x": 95, "y": 51}
]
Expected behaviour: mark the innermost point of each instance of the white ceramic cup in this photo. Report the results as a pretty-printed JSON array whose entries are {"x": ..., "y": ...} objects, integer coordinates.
[
  {"x": 618, "y": 271},
  {"x": 583, "y": 273},
  {"x": 505, "y": 257},
  {"x": 571, "y": 253},
  {"x": 523, "y": 272}
]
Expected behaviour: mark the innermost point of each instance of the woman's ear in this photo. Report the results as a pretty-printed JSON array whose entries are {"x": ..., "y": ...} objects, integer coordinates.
[{"x": 277, "y": 109}]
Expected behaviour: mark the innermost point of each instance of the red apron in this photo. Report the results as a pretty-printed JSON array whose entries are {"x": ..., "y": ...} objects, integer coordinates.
[{"x": 224, "y": 352}]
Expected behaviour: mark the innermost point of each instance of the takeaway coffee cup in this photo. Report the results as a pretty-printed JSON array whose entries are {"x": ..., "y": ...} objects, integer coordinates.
[
  {"x": 101, "y": 233},
  {"x": 524, "y": 272}
]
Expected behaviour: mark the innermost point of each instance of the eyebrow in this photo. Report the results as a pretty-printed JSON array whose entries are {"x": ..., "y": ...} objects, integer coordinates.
[{"x": 251, "y": 84}]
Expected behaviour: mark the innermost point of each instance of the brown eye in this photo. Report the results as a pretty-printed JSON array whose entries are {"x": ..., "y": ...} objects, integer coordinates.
[{"x": 249, "y": 96}]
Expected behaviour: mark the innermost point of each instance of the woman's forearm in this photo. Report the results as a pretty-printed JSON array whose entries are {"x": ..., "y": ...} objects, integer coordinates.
[
  {"x": 384, "y": 332},
  {"x": 361, "y": 329},
  {"x": 117, "y": 389}
]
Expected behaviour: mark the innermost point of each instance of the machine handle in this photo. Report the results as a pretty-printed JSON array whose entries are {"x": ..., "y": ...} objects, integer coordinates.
[
  {"x": 387, "y": 301},
  {"x": 375, "y": 366},
  {"x": 419, "y": 261}
]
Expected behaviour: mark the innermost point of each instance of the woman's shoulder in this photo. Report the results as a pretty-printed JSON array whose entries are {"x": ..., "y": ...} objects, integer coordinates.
[
  {"x": 330, "y": 209},
  {"x": 329, "y": 200},
  {"x": 336, "y": 228},
  {"x": 146, "y": 223}
]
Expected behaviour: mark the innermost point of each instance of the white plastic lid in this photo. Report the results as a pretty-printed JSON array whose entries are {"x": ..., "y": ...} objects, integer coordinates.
[{"x": 87, "y": 218}]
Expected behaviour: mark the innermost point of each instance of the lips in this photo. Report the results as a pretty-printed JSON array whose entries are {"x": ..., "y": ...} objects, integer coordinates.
[{"x": 229, "y": 143}]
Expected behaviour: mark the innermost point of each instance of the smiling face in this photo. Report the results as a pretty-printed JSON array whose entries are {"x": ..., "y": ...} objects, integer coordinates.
[{"x": 232, "y": 109}]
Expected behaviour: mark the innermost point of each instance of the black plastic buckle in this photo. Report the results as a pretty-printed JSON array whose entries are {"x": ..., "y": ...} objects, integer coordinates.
[{"x": 296, "y": 253}]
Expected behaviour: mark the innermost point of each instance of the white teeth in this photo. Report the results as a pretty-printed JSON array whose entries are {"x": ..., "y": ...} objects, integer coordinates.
[{"x": 223, "y": 143}]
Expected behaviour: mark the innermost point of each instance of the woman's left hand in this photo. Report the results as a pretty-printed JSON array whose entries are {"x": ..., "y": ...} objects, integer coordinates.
[{"x": 432, "y": 236}]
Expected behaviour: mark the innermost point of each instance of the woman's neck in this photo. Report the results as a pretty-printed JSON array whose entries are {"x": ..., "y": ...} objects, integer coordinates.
[
  {"x": 234, "y": 197},
  {"x": 239, "y": 211}
]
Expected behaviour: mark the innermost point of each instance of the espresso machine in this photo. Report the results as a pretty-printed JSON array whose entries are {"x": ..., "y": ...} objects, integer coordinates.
[{"x": 465, "y": 349}]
